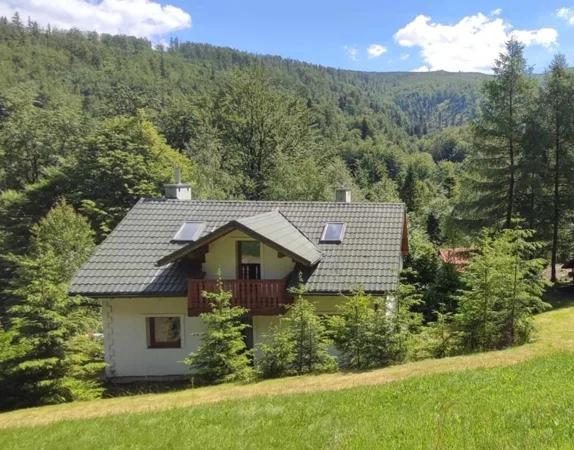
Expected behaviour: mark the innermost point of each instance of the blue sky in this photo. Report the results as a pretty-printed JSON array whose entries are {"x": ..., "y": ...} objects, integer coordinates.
[{"x": 402, "y": 35}]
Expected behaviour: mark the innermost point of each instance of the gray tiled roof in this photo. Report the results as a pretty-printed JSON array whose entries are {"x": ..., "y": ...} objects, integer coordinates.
[
  {"x": 272, "y": 227},
  {"x": 125, "y": 263}
]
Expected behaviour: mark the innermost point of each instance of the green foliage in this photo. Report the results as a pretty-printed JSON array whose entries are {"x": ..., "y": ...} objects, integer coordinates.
[
  {"x": 222, "y": 355},
  {"x": 53, "y": 359},
  {"x": 299, "y": 345},
  {"x": 438, "y": 338},
  {"x": 504, "y": 287},
  {"x": 370, "y": 333},
  {"x": 498, "y": 134},
  {"x": 278, "y": 354},
  {"x": 131, "y": 161}
]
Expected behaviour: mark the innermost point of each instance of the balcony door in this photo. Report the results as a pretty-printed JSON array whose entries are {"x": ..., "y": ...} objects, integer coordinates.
[{"x": 248, "y": 260}]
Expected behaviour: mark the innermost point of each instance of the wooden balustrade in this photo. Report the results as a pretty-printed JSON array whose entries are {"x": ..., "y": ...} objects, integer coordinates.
[{"x": 260, "y": 297}]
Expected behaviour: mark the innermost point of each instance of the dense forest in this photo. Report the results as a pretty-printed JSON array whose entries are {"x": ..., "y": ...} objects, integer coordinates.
[{"x": 89, "y": 123}]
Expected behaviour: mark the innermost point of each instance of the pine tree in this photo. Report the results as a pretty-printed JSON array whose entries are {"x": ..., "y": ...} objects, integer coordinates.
[
  {"x": 54, "y": 359},
  {"x": 309, "y": 335},
  {"x": 299, "y": 344},
  {"x": 222, "y": 355},
  {"x": 352, "y": 330},
  {"x": 498, "y": 134},
  {"x": 558, "y": 101},
  {"x": 503, "y": 290}
]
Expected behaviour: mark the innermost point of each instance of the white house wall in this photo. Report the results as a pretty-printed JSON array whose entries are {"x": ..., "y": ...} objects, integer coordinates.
[
  {"x": 222, "y": 256},
  {"x": 125, "y": 334},
  {"x": 127, "y": 354}
]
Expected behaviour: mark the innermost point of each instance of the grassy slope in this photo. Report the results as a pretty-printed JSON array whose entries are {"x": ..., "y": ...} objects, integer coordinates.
[{"x": 524, "y": 405}]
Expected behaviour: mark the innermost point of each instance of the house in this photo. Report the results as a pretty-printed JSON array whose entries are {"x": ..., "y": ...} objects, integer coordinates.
[
  {"x": 150, "y": 271},
  {"x": 458, "y": 257}
]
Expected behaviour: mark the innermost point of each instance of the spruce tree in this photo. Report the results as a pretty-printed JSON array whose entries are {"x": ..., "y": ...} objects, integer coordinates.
[
  {"x": 498, "y": 134},
  {"x": 53, "y": 358},
  {"x": 222, "y": 355},
  {"x": 503, "y": 289},
  {"x": 299, "y": 344},
  {"x": 558, "y": 103}
]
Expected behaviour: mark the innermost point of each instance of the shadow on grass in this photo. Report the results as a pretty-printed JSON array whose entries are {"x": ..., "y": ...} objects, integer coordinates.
[
  {"x": 560, "y": 295},
  {"x": 144, "y": 387}
]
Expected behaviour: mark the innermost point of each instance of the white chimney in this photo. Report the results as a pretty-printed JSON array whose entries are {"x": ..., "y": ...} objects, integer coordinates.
[
  {"x": 343, "y": 195},
  {"x": 178, "y": 190}
]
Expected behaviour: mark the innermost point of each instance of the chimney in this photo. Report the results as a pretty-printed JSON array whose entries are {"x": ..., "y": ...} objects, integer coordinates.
[
  {"x": 178, "y": 190},
  {"x": 343, "y": 195}
]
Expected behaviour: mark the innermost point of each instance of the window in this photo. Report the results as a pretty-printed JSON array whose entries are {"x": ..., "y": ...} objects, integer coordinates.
[
  {"x": 189, "y": 231},
  {"x": 163, "y": 332},
  {"x": 333, "y": 232},
  {"x": 249, "y": 260}
]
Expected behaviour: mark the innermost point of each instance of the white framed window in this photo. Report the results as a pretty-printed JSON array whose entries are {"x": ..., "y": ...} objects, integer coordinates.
[
  {"x": 333, "y": 232},
  {"x": 164, "y": 331}
]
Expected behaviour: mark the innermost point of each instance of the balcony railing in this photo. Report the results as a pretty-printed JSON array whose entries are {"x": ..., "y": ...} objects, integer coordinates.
[{"x": 260, "y": 297}]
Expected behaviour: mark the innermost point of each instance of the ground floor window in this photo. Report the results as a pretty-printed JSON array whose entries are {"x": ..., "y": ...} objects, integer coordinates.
[{"x": 163, "y": 332}]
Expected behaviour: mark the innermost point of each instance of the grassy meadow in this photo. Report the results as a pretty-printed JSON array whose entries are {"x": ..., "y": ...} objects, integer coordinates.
[{"x": 521, "y": 397}]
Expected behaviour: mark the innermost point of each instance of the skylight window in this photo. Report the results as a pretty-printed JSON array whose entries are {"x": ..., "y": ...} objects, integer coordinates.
[
  {"x": 333, "y": 232},
  {"x": 189, "y": 231}
]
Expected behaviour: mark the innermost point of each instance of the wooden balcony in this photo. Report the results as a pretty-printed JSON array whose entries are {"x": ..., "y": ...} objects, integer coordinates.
[{"x": 260, "y": 297}]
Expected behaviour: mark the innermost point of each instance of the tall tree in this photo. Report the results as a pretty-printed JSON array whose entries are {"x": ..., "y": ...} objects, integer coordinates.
[
  {"x": 123, "y": 160},
  {"x": 53, "y": 359},
  {"x": 558, "y": 101},
  {"x": 498, "y": 134},
  {"x": 259, "y": 123}
]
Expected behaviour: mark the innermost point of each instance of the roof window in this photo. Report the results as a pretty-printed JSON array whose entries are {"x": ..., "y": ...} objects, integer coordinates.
[
  {"x": 333, "y": 232},
  {"x": 189, "y": 231}
]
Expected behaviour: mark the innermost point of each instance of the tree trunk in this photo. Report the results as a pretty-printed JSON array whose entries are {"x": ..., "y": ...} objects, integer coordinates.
[
  {"x": 556, "y": 216},
  {"x": 510, "y": 205}
]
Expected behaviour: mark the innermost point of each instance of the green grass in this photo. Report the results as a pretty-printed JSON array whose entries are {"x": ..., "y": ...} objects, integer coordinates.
[
  {"x": 528, "y": 405},
  {"x": 522, "y": 397}
]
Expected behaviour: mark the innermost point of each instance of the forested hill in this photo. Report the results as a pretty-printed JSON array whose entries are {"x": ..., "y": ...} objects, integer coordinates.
[{"x": 113, "y": 75}]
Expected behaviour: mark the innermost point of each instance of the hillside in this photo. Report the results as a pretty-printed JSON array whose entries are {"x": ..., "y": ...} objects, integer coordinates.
[
  {"x": 118, "y": 74},
  {"x": 453, "y": 401}
]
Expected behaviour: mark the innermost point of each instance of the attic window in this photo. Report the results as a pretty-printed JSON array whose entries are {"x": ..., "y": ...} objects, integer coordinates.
[
  {"x": 333, "y": 232},
  {"x": 189, "y": 231}
]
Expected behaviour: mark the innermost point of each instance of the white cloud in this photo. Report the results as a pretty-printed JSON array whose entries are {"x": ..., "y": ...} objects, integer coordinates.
[
  {"x": 375, "y": 50},
  {"x": 142, "y": 18},
  {"x": 496, "y": 12},
  {"x": 405, "y": 56},
  {"x": 421, "y": 69},
  {"x": 470, "y": 45},
  {"x": 351, "y": 51},
  {"x": 567, "y": 14}
]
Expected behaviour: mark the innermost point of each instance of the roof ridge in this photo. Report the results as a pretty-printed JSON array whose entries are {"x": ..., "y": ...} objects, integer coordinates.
[
  {"x": 263, "y": 202},
  {"x": 298, "y": 229}
]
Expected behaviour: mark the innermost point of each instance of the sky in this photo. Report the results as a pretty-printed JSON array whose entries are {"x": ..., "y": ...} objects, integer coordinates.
[{"x": 399, "y": 35}]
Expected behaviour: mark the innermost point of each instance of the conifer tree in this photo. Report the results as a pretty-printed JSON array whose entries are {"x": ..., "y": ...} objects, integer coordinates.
[
  {"x": 558, "y": 102},
  {"x": 53, "y": 358},
  {"x": 222, "y": 355},
  {"x": 299, "y": 344},
  {"x": 498, "y": 135},
  {"x": 503, "y": 290}
]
